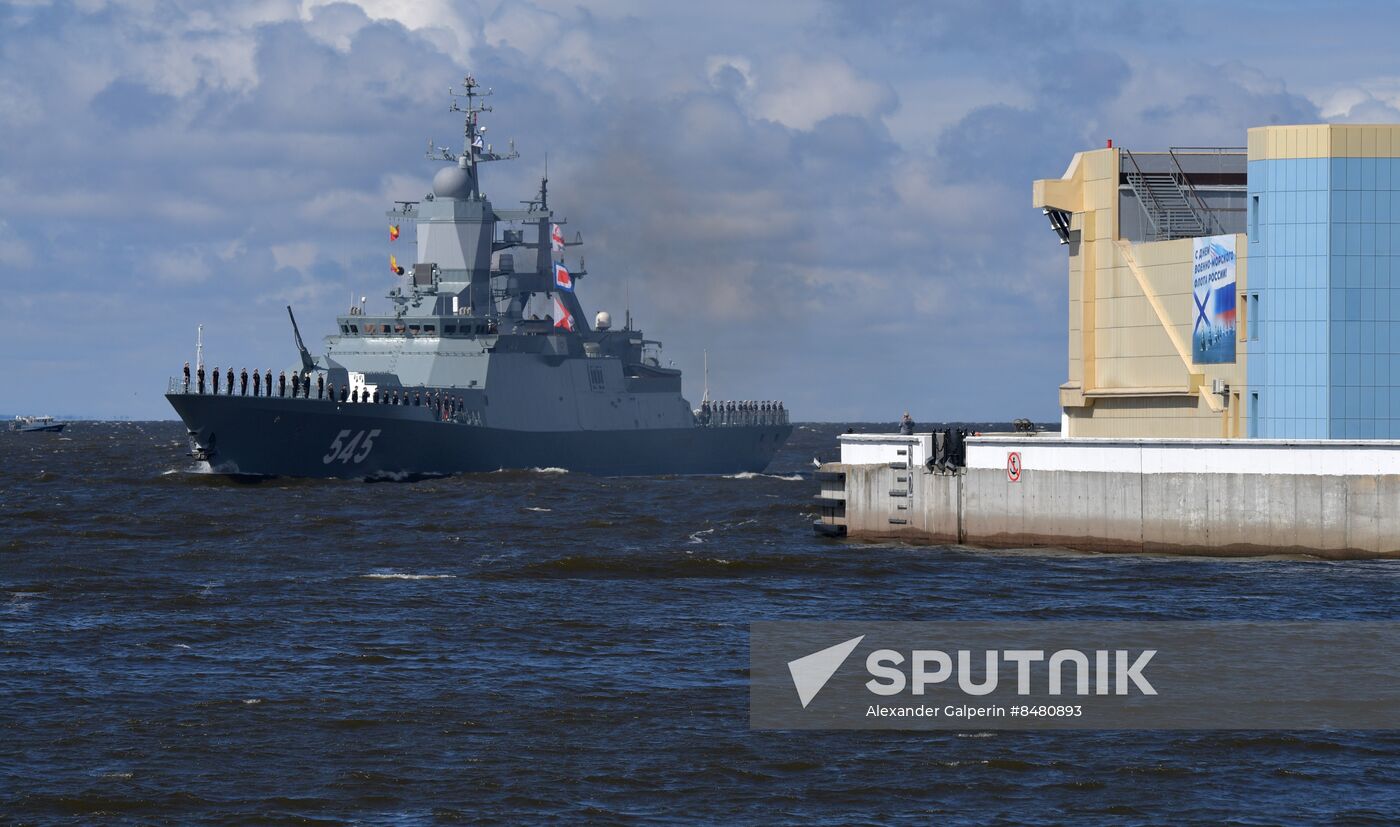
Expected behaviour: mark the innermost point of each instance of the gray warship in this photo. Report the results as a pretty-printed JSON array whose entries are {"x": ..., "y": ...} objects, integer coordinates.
[{"x": 483, "y": 361}]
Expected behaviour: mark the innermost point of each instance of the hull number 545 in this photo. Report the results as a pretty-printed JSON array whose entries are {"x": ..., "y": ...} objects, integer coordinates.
[{"x": 355, "y": 450}]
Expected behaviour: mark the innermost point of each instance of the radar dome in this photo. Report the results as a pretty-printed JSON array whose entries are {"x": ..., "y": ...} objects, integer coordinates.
[
  {"x": 452, "y": 182},
  {"x": 603, "y": 321}
]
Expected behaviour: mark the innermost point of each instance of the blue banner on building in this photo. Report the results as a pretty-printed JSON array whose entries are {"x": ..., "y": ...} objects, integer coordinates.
[{"x": 1213, "y": 290}]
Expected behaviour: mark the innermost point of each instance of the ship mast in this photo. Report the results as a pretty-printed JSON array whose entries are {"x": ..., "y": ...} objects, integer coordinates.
[{"x": 474, "y": 147}]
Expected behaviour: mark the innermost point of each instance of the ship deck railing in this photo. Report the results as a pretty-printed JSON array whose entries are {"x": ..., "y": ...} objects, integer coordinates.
[
  {"x": 714, "y": 418},
  {"x": 176, "y": 387}
]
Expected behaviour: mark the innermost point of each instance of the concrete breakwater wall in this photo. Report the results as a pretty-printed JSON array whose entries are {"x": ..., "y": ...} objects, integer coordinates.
[{"x": 1329, "y": 499}]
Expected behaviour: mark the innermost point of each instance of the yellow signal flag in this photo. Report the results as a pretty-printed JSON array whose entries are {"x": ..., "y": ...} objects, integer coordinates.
[
  {"x": 394, "y": 266},
  {"x": 393, "y": 232}
]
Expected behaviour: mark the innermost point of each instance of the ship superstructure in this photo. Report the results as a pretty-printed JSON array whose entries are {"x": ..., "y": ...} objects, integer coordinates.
[{"x": 484, "y": 359}]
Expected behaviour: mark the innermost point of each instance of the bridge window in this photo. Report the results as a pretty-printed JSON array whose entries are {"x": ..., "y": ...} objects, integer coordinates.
[
  {"x": 429, "y": 328},
  {"x": 449, "y": 329}
]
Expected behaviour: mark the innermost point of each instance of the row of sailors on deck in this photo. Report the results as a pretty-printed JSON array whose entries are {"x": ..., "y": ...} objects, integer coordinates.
[
  {"x": 742, "y": 413},
  {"x": 300, "y": 385}
]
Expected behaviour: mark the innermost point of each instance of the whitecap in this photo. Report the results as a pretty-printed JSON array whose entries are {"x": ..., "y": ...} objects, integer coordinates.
[
  {"x": 749, "y": 475},
  {"x": 550, "y": 470},
  {"x": 398, "y": 575},
  {"x": 536, "y": 508},
  {"x": 695, "y": 538},
  {"x": 251, "y": 701}
]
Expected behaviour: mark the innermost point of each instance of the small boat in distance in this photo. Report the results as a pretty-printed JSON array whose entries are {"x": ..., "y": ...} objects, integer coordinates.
[{"x": 30, "y": 424}]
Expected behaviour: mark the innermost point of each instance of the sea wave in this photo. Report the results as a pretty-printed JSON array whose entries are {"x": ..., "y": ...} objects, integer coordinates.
[
  {"x": 398, "y": 575},
  {"x": 749, "y": 475}
]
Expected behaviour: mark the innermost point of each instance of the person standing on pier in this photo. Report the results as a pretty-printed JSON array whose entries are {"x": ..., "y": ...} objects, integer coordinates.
[{"x": 906, "y": 424}]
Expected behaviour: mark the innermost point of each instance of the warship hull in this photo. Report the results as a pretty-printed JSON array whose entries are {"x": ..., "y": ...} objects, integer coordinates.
[{"x": 277, "y": 436}]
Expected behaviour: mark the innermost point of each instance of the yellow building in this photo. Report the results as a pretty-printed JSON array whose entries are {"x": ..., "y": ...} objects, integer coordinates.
[
  {"x": 1132, "y": 368},
  {"x": 1228, "y": 292}
]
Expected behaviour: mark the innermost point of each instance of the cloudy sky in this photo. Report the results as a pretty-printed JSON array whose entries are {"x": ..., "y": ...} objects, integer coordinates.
[{"x": 832, "y": 198}]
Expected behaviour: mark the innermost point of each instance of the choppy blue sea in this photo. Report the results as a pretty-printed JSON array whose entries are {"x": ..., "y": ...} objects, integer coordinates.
[{"x": 548, "y": 647}]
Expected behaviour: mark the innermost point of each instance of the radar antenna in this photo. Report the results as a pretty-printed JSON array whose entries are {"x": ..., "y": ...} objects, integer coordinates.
[{"x": 474, "y": 146}]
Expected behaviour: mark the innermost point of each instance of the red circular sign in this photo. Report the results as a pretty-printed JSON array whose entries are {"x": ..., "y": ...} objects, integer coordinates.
[{"x": 1013, "y": 466}]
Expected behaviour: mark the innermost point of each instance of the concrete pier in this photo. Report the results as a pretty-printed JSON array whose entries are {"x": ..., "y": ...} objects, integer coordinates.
[{"x": 1328, "y": 498}]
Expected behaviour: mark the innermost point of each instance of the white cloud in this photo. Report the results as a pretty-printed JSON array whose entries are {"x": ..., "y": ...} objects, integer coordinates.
[
  {"x": 438, "y": 20},
  {"x": 14, "y": 251},
  {"x": 560, "y": 42},
  {"x": 799, "y": 93},
  {"x": 719, "y": 69},
  {"x": 298, "y": 255},
  {"x": 185, "y": 265},
  {"x": 1375, "y": 100}
]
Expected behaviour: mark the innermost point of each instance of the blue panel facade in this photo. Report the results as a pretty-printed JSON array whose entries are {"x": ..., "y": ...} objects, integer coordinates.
[{"x": 1289, "y": 312}]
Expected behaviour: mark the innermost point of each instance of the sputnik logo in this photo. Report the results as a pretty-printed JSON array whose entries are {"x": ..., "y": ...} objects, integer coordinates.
[{"x": 811, "y": 672}]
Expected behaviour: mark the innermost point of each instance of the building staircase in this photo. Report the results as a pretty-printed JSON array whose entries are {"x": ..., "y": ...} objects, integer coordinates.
[{"x": 1173, "y": 208}]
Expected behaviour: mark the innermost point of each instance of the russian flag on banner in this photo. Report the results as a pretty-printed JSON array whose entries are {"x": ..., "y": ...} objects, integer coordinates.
[
  {"x": 563, "y": 318},
  {"x": 556, "y": 238},
  {"x": 562, "y": 279}
]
